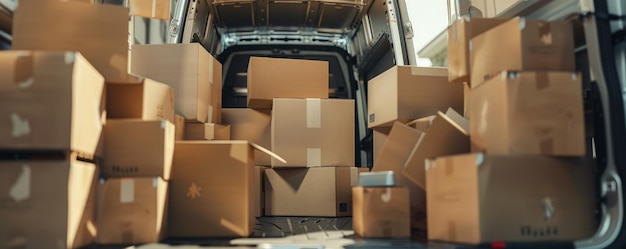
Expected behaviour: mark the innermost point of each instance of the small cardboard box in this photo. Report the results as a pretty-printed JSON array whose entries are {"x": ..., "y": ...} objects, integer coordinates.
[
  {"x": 193, "y": 73},
  {"x": 158, "y": 9},
  {"x": 131, "y": 210},
  {"x": 252, "y": 125},
  {"x": 50, "y": 101},
  {"x": 459, "y": 35},
  {"x": 47, "y": 203},
  {"x": 404, "y": 93},
  {"x": 136, "y": 148},
  {"x": 212, "y": 189},
  {"x": 99, "y": 32},
  {"x": 270, "y": 78},
  {"x": 529, "y": 113},
  {"x": 320, "y": 191},
  {"x": 313, "y": 132},
  {"x": 470, "y": 198},
  {"x": 148, "y": 100},
  {"x": 199, "y": 131},
  {"x": 521, "y": 44},
  {"x": 381, "y": 212}
]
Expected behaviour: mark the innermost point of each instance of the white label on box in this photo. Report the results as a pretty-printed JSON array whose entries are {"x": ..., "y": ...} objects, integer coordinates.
[
  {"x": 21, "y": 126},
  {"x": 313, "y": 157},
  {"x": 313, "y": 113},
  {"x": 127, "y": 191},
  {"x": 20, "y": 191}
]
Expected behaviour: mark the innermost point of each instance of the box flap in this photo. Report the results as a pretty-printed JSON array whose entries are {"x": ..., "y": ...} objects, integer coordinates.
[{"x": 268, "y": 152}]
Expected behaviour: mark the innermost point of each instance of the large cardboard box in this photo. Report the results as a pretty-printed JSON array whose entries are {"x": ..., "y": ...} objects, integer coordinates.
[
  {"x": 148, "y": 100},
  {"x": 459, "y": 35},
  {"x": 270, "y": 78},
  {"x": 320, "y": 191},
  {"x": 193, "y": 73},
  {"x": 313, "y": 132},
  {"x": 480, "y": 198},
  {"x": 159, "y": 9},
  {"x": 47, "y": 203},
  {"x": 521, "y": 44},
  {"x": 212, "y": 189},
  {"x": 529, "y": 113},
  {"x": 252, "y": 125},
  {"x": 448, "y": 135},
  {"x": 259, "y": 191},
  {"x": 131, "y": 210},
  {"x": 137, "y": 148},
  {"x": 50, "y": 101},
  {"x": 381, "y": 212},
  {"x": 99, "y": 32},
  {"x": 199, "y": 131},
  {"x": 404, "y": 93}
]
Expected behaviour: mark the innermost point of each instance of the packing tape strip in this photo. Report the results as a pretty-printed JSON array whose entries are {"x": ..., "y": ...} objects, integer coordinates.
[
  {"x": 423, "y": 71},
  {"x": 154, "y": 7},
  {"x": 127, "y": 190},
  {"x": 313, "y": 113},
  {"x": 313, "y": 157}
]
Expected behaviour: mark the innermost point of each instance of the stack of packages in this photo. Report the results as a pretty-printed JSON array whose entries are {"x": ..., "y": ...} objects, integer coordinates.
[
  {"x": 289, "y": 111},
  {"x": 405, "y": 110},
  {"x": 527, "y": 178}
]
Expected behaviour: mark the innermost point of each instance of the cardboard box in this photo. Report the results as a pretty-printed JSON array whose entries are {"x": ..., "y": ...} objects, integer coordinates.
[
  {"x": 252, "y": 125},
  {"x": 270, "y": 78},
  {"x": 404, "y": 93},
  {"x": 381, "y": 212},
  {"x": 50, "y": 101},
  {"x": 529, "y": 113},
  {"x": 47, "y": 203},
  {"x": 469, "y": 198},
  {"x": 313, "y": 132},
  {"x": 459, "y": 35},
  {"x": 380, "y": 136},
  {"x": 320, "y": 191},
  {"x": 521, "y": 44},
  {"x": 148, "y": 100},
  {"x": 448, "y": 135},
  {"x": 99, "y": 32},
  {"x": 259, "y": 191},
  {"x": 199, "y": 131},
  {"x": 158, "y": 9},
  {"x": 179, "y": 123},
  {"x": 131, "y": 210},
  {"x": 136, "y": 148},
  {"x": 212, "y": 189},
  {"x": 193, "y": 73},
  {"x": 393, "y": 157}
]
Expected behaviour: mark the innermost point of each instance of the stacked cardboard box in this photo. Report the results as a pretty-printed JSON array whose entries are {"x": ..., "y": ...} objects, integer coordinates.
[
  {"x": 527, "y": 135},
  {"x": 52, "y": 102}
]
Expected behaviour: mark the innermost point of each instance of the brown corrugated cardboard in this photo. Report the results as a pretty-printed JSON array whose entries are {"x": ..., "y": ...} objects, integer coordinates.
[
  {"x": 381, "y": 212},
  {"x": 199, "y": 131},
  {"x": 313, "y": 132},
  {"x": 529, "y": 113},
  {"x": 99, "y": 32},
  {"x": 136, "y": 148},
  {"x": 252, "y": 125},
  {"x": 459, "y": 35},
  {"x": 320, "y": 191},
  {"x": 50, "y": 101},
  {"x": 131, "y": 210},
  {"x": 380, "y": 136},
  {"x": 148, "y": 100},
  {"x": 470, "y": 198},
  {"x": 159, "y": 9},
  {"x": 259, "y": 191},
  {"x": 270, "y": 78},
  {"x": 47, "y": 203},
  {"x": 404, "y": 93},
  {"x": 212, "y": 189},
  {"x": 193, "y": 73},
  {"x": 445, "y": 137},
  {"x": 395, "y": 152},
  {"x": 521, "y": 44},
  {"x": 179, "y": 123}
]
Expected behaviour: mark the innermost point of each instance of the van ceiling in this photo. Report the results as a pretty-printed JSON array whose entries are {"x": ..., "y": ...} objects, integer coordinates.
[{"x": 328, "y": 16}]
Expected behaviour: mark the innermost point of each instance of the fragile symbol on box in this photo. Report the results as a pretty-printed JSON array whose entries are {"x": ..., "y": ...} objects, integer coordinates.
[{"x": 194, "y": 191}]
